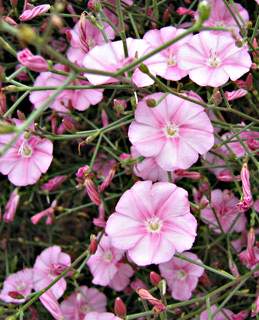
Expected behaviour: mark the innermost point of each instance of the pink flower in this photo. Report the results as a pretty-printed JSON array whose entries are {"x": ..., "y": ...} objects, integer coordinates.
[
  {"x": 75, "y": 307},
  {"x": 32, "y": 62},
  {"x": 145, "y": 295},
  {"x": 211, "y": 59},
  {"x": 11, "y": 206},
  {"x": 138, "y": 283},
  {"x": 54, "y": 183},
  {"x": 122, "y": 277},
  {"x": 48, "y": 212},
  {"x": 50, "y": 302},
  {"x": 107, "y": 181},
  {"x": 224, "y": 204},
  {"x": 27, "y": 159},
  {"x": 77, "y": 99},
  {"x": 20, "y": 282},
  {"x": 103, "y": 165},
  {"x": 110, "y": 57},
  {"x": 152, "y": 222},
  {"x": 173, "y": 133},
  {"x": 256, "y": 303},
  {"x": 219, "y": 316},
  {"x": 182, "y": 276},
  {"x": 247, "y": 198},
  {"x": 48, "y": 265},
  {"x": 235, "y": 94},
  {"x": 100, "y": 316},
  {"x": 157, "y": 38},
  {"x": 220, "y": 16},
  {"x": 32, "y": 13},
  {"x": 103, "y": 264},
  {"x": 93, "y": 37}
]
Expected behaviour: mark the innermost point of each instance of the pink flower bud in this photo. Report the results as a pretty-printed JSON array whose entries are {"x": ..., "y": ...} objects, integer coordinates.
[
  {"x": 93, "y": 246},
  {"x": 72, "y": 11},
  {"x": 92, "y": 192},
  {"x": 108, "y": 179},
  {"x": 104, "y": 117},
  {"x": 35, "y": 63},
  {"x": 49, "y": 213},
  {"x": 241, "y": 83},
  {"x": 247, "y": 200},
  {"x": 10, "y": 21},
  {"x": 255, "y": 45},
  {"x": 250, "y": 246},
  {"x": 82, "y": 33},
  {"x": 11, "y": 206},
  {"x": 249, "y": 81},
  {"x": 3, "y": 108},
  {"x": 254, "y": 66},
  {"x": 81, "y": 172},
  {"x": 32, "y": 13},
  {"x": 226, "y": 176},
  {"x": 22, "y": 75},
  {"x": 184, "y": 11},
  {"x": 233, "y": 268},
  {"x": 253, "y": 144},
  {"x": 120, "y": 308},
  {"x": 67, "y": 125},
  {"x": 144, "y": 294},
  {"x": 93, "y": 5},
  {"x": 166, "y": 15},
  {"x": 54, "y": 183},
  {"x": 188, "y": 174},
  {"x": 235, "y": 94},
  {"x": 240, "y": 316},
  {"x": 21, "y": 115},
  {"x": 154, "y": 278},
  {"x": 15, "y": 295},
  {"x": 203, "y": 204},
  {"x": 119, "y": 105}
]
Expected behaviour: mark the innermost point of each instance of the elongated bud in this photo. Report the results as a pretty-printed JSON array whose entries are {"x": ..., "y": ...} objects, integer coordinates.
[
  {"x": 92, "y": 192},
  {"x": 166, "y": 15},
  {"x": 10, "y": 21},
  {"x": 143, "y": 68},
  {"x": 249, "y": 81},
  {"x": 72, "y": 11},
  {"x": 108, "y": 179},
  {"x": 203, "y": 204},
  {"x": 68, "y": 125},
  {"x": 250, "y": 246},
  {"x": 204, "y": 12},
  {"x": 3, "y": 108},
  {"x": 144, "y": 294},
  {"x": 120, "y": 308},
  {"x": 226, "y": 176},
  {"x": 154, "y": 278},
  {"x": 184, "y": 11},
  {"x": 93, "y": 245},
  {"x": 32, "y": 13},
  {"x": 247, "y": 200},
  {"x": 15, "y": 295},
  {"x": 188, "y": 174},
  {"x": 82, "y": 33},
  {"x": 104, "y": 117}
]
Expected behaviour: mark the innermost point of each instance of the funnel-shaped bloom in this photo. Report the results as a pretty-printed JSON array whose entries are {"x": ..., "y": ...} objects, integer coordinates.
[
  {"x": 174, "y": 133},
  {"x": 152, "y": 222}
]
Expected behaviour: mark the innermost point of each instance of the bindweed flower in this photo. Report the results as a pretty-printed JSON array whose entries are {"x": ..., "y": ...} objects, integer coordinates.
[
  {"x": 174, "y": 133},
  {"x": 122, "y": 277},
  {"x": 211, "y": 59},
  {"x": 48, "y": 265},
  {"x": 100, "y": 316},
  {"x": 157, "y": 214},
  {"x": 92, "y": 192},
  {"x": 75, "y": 307},
  {"x": 20, "y": 282},
  {"x": 49, "y": 213},
  {"x": 31, "y": 61},
  {"x": 11, "y": 206},
  {"x": 225, "y": 206},
  {"x": 250, "y": 256},
  {"x": 50, "y": 302},
  {"x": 34, "y": 12},
  {"x": 182, "y": 276},
  {"x": 27, "y": 158}
]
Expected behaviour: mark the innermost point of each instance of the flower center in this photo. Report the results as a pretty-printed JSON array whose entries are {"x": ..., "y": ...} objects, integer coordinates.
[
  {"x": 25, "y": 149},
  {"x": 154, "y": 224},
  {"x": 171, "y": 130},
  {"x": 219, "y": 23},
  {"x": 214, "y": 60},
  {"x": 181, "y": 274},
  {"x": 171, "y": 58},
  {"x": 107, "y": 256},
  {"x": 84, "y": 309},
  {"x": 21, "y": 286},
  {"x": 91, "y": 43}
]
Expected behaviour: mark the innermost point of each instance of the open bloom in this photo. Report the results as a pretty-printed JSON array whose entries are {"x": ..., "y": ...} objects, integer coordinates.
[
  {"x": 110, "y": 57},
  {"x": 152, "y": 222},
  {"x": 182, "y": 276},
  {"x": 212, "y": 59},
  {"x": 224, "y": 204},
  {"x": 27, "y": 159},
  {"x": 20, "y": 282},
  {"x": 51, "y": 304},
  {"x": 219, "y": 316},
  {"x": 100, "y": 316},
  {"x": 174, "y": 133},
  {"x": 48, "y": 265},
  {"x": 75, "y": 307},
  {"x": 157, "y": 38}
]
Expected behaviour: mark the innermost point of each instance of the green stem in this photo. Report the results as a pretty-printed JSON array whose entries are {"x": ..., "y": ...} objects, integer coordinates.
[{"x": 121, "y": 23}]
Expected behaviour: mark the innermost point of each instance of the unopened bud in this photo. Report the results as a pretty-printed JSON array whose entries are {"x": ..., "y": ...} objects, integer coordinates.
[
  {"x": 93, "y": 245},
  {"x": 239, "y": 43},
  {"x": 120, "y": 308},
  {"x": 143, "y": 68},
  {"x": 166, "y": 15},
  {"x": 203, "y": 204},
  {"x": 93, "y": 5},
  {"x": 6, "y": 127},
  {"x": 204, "y": 12},
  {"x": 119, "y": 105},
  {"x": 27, "y": 34},
  {"x": 15, "y": 295},
  {"x": 249, "y": 81},
  {"x": 151, "y": 103},
  {"x": 154, "y": 278},
  {"x": 3, "y": 108},
  {"x": 21, "y": 115},
  {"x": 69, "y": 126},
  {"x": 188, "y": 174}
]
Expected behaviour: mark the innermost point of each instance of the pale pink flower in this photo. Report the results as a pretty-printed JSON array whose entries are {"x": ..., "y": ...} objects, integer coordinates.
[
  {"x": 219, "y": 316},
  {"x": 152, "y": 222},
  {"x": 75, "y": 306},
  {"x": 157, "y": 38},
  {"x": 11, "y": 206},
  {"x": 184, "y": 11},
  {"x": 34, "y": 12},
  {"x": 31, "y": 61},
  {"x": 250, "y": 256},
  {"x": 235, "y": 94},
  {"x": 182, "y": 276},
  {"x": 100, "y": 221},
  {"x": 107, "y": 181},
  {"x": 211, "y": 59},
  {"x": 122, "y": 277},
  {"x": 210, "y": 159},
  {"x": 220, "y": 16},
  {"x": 20, "y": 282},
  {"x": 174, "y": 133},
  {"x": 54, "y": 183},
  {"x": 110, "y": 57},
  {"x": 48, "y": 265},
  {"x": 224, "y": 204},
  {"x": 27, "y": 159},
  {"x": 100, "y": 316},
  {"x": 50, "y": 302},
  {"x": 103, "y": 165},
  {"x": 103, "y": 264},
  {"x": 77, "y": 99},
  {"x": 93, "y": 37},
  {"x": 49, "y": 213}
]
